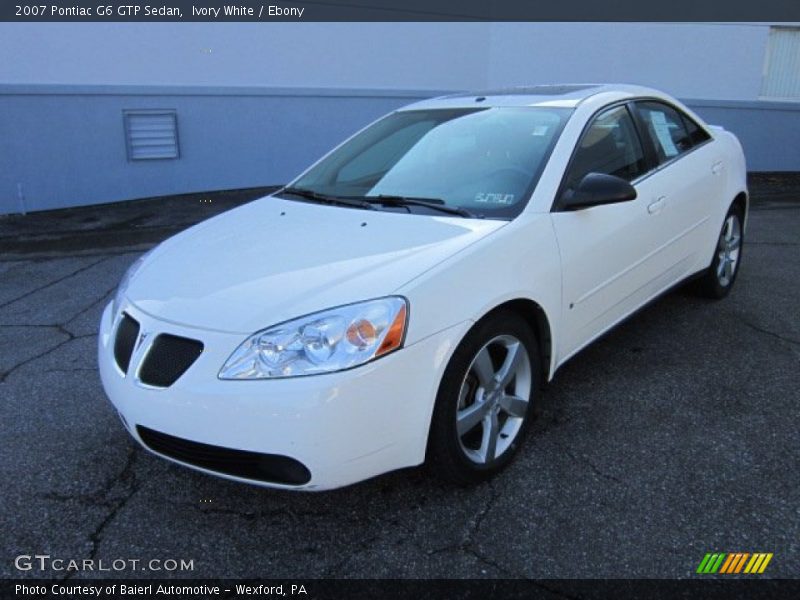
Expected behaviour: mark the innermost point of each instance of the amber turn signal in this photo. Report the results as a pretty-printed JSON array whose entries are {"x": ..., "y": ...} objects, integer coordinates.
[{"x": 394, "y": 337}]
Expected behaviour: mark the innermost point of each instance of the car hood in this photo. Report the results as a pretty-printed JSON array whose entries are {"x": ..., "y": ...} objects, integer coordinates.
[{"x": 272, "y": 260}]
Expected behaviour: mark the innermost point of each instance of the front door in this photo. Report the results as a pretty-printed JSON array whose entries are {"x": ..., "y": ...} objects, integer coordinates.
[{"x": 606, "y": 251}]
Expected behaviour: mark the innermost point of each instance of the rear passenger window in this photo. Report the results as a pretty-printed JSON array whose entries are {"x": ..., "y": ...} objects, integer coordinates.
[
  {"x": 666, "y": 129},
  {"x": 610, "y": 146},
  {"x": 697, "y": 134}
]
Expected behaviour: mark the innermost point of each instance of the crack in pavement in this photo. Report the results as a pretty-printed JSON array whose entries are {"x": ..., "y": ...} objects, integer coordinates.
[
  {"x": 127, "y": 478},
  {"x": 297, "y": 516},
  {"x": 251, "y": 515},
  {"x": 770, "y": 333},
  {"x": 29, "y": 326},
  {"x": 489, "y": 562},
  {"x": 467, "y": 544},
  {"x": 335, "y": 569},
  {"x": 44, "y": 257},
  {"x": 54, "y": 282},
  {"x": 597, "y": 471},
  {"x": 70, "y": 337},
  {"x": 62, "y": 328},
  {"x": 478, "y": 520},
  {"x": 93, "y": 500},
  {"x": 82, "y": 312},
  {"x": 74, "y": 317},
  {"x": 66, "y": 323}
]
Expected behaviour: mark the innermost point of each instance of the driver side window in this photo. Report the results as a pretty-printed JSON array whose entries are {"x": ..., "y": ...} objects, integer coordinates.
[{"x": 611, "y": 146}]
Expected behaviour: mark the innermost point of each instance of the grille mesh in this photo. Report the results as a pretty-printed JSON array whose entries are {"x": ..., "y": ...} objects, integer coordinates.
[
  {"x": 272, "y": 468},
  {"x": 168, "y": 359},
  {"x": 127, "y": 331}
]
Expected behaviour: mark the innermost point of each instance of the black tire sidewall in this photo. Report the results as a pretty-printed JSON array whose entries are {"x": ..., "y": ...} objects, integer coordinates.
[
  {"x": 444, "y": 447},
  {"x": 716, "y": 288}
]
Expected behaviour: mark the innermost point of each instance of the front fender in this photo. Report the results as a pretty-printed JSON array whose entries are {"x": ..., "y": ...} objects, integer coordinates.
[{"x": 520, "y": 261}]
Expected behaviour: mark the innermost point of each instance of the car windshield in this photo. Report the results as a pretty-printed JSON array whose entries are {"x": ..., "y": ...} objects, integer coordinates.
[{"x": 484, "y": 160}]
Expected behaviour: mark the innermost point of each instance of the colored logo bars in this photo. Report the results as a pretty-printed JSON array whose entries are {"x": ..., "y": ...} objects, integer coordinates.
[{"x": 734, "y": 562}]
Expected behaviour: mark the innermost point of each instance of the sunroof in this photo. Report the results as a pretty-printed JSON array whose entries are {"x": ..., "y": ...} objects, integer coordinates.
[{"x": 535, "y": 90}]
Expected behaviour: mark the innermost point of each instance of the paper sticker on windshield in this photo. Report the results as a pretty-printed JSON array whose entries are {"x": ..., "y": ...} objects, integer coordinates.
[
  {"x": 661, "y": 128},
  {"x": 540, "y": 130},
  {"x": 493, "y": 198}
]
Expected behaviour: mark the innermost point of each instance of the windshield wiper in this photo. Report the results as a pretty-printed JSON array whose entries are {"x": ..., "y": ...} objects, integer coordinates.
[
  {"x": 317, "y": 197},
  {"x": 435, "y": 203}
]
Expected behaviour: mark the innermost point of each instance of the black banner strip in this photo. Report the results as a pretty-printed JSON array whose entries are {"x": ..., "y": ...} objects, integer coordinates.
[
  {"x": 399, "y": 10},
  {"x": 712, "y": 588}
]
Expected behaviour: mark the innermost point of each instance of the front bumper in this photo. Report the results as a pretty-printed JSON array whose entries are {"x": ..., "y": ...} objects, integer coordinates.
[{"x": 343, "y": 427}]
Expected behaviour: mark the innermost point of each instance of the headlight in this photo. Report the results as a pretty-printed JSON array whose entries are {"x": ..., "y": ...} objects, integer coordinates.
[
  {"x": 126, "y": 279},
  {"x": 323, "y": 342}
]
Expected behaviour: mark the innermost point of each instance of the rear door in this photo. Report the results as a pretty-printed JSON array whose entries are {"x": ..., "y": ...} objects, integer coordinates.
[{"x": 688, "y": 179}]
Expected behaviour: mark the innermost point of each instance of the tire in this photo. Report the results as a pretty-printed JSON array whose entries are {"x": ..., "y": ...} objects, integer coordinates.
[
  {"x": 478, "y": 422},
  {"x": 717, "y": 281}
]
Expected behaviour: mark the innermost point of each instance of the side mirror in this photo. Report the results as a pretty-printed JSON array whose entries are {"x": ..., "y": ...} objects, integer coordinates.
[{"x": 596, "y": 189}]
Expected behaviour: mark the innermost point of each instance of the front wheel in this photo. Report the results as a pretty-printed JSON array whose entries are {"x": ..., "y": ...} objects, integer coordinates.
[
  {"x": 716, "y": 282},
  {"x": 485, "y": 400}
]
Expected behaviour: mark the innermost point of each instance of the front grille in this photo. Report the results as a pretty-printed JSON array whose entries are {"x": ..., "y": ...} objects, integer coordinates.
[
  {"x": 168, "y": 358},
  {"x": 271, "y": 468},
  {"x": 127, "y": 332}
]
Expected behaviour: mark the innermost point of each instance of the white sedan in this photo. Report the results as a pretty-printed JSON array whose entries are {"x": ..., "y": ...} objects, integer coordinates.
[{"x": 405, "y": 299}]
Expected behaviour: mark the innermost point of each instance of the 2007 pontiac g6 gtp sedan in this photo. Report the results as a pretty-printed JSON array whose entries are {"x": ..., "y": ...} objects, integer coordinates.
[{"x": 405, "y": 299}]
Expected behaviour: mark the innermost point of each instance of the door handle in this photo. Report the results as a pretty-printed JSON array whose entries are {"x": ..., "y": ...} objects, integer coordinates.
[
  {"x": 716, "y": 167},
  {"x": 656, "y": 205}
]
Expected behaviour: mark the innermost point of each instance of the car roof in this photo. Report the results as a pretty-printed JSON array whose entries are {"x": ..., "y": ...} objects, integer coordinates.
[{"x": 567, "y": 95}]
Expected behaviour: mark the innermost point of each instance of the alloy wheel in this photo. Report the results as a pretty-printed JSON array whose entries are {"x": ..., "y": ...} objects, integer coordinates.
[
  {"x": 493, "y": 399},
  {"x": 730, "y": 241}
]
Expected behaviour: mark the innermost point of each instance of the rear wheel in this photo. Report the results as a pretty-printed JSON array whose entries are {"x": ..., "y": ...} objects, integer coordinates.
[
  {"x": 716, "y": 282},
  {"x": 485, "y": 400}
]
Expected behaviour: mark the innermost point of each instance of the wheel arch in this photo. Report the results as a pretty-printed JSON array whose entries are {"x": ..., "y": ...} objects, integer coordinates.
[
  {"x": 742, "y": 202},
  {"x": 536, "y": 317}
]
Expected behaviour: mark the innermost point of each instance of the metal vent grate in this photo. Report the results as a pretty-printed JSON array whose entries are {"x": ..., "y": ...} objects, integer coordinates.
[
  {"x": 127, "y": 332},
  {"x": 168, "y": 359},
  {"x": 782, "y": 64},
  {"x": 151, "y": 134}
]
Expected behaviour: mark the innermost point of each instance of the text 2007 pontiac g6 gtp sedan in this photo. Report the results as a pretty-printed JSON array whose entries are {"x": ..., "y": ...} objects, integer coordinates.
[{"x": 405, "y": 298}]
